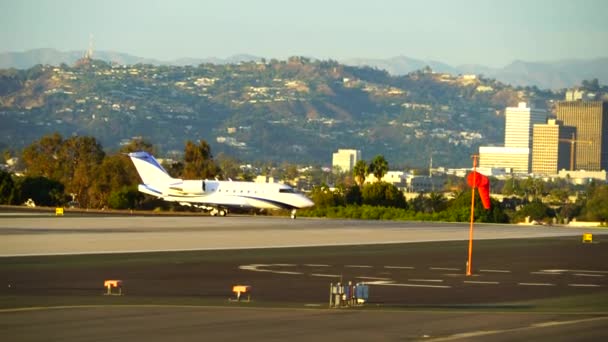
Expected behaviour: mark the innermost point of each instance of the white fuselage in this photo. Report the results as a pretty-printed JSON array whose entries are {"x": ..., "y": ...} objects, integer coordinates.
[
  {"x": 230, "y": 194},
  {"x": 213, "y": 193}
]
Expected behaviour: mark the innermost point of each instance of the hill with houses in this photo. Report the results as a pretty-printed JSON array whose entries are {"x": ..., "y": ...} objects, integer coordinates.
[{"x": 297, "y": 110}]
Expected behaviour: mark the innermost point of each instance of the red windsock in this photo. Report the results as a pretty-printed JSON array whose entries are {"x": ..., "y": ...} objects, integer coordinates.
[{"x": 477, "y": 180}]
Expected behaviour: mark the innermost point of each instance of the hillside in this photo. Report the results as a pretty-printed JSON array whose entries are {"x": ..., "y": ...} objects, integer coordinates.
[{"x": 296, "y": 110}]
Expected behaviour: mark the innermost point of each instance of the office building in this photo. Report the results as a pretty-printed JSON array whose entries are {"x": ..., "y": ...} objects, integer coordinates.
[
  {"x": 519, "y": 122},
  {"x": 589, "y": 119},
  {"x": 515, "y": 155},
  {"x": 345, "y": 160},
  {"x": 550, "y": 148}
]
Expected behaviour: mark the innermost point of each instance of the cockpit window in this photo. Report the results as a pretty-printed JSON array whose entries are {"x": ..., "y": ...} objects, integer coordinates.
[{"x": 288, "y": 191}]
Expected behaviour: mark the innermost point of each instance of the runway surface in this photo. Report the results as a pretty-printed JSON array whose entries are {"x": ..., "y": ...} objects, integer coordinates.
[
  {"x": 419, "y": 276},
  {"x": 237, "y": 324},
  {"x": 104, "y": 234}
]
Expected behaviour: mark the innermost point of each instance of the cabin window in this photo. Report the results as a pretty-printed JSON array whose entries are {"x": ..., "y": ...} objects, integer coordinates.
[{"x": 289, "y": 191}]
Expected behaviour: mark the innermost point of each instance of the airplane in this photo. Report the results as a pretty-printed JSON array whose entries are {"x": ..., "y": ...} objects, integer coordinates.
[{"x": 214, "y": 196}]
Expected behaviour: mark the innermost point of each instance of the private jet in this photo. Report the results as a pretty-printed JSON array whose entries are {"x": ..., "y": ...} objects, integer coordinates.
[{"x": 215, "y": 196}]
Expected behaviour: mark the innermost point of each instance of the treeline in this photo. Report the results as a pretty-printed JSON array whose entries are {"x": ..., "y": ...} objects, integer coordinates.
[
  {"x": 77, "y": 171},
  {"x": 532, "y": 199},
  {"x": 384, "y": 201}
]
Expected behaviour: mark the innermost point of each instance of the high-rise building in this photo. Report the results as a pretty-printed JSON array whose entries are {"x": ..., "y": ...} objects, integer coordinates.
[
  {"x": 550, "y": 147},
  {"x": 519, "y": 122},
  {"x": 515, "y": 155},
  {"x": 345, "y": 160},
  {"x": 589, "y": 119}
]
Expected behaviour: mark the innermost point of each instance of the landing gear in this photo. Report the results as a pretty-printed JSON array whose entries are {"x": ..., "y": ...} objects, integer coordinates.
[
  {"x": 218, "y": 212},
  {"x": 293, "y": 214}
]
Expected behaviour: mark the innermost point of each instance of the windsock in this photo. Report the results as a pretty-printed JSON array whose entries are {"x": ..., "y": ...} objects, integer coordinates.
[{"x": 481, "y": 182}]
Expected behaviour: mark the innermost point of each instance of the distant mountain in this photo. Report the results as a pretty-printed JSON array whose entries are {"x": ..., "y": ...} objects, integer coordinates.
[
  {"x": 401, "y": 65},
  {"x": 27, "y": 59},
  {"x": 545, "y": 75}
]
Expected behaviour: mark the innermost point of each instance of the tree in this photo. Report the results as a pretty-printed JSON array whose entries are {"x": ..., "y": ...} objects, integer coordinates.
[
  {"x": 383, "y": 194},
  {"x": 41, "y": 158},
  {"x": 7, "y": 188},
  {"x": 72, "y": 162},
  {"x": 353, "y": 195},
  {"x": 41, "y": 190},
  {"x": 125, "y": 198},
  {"x": 378, "y": 166},
  {"x": 459, "y": 209},
  {"x": 536, "y": 210},
  {"x": 437, "y": 202},
  {"x": 198, "y": 161},
  {"x": 114, "y": 173},
  {"x": 596, "y": 208},
  {"x": 360, "y": 171},
  {"x": 138, "y": 144},
  {"x": 80, "y": 159},
  {"x": 324, "y": 197},
  {"x": 592, "y": 85}
]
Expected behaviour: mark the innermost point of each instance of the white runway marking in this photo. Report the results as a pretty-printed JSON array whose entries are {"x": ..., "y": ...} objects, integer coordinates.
[
  {"x": 427, "y": 280},
  {"x": 584, "y": 285},
  {"x": 374, "y": 278},
  {"x": 326, "y": 275},
  {"x": 535, "y": 284},
  {"x": 283, "y": 272},
  {"x": 444, "y": 269},
  {"x": 416, "y": 285},
  {"x": 375, "y": 282},
  {"x": 284, "y": 265},
  {"x": 470, "y": 335},
  {"x": 588, "y": 275},
  {"x": 316, "y": 265},
  {"x": 495, "y": 271},
  {"x": 554, "y": 271},
  {"x": 357, "y": 266},
  {"x": 400, "y": 267},
  {"x": 253, "y": 267},
  {"x": 257, "y": 268},
  {"x": 546, "y": 273},
  {"x": 589, "y": 271},
  {"x": 481, "y": 282}
]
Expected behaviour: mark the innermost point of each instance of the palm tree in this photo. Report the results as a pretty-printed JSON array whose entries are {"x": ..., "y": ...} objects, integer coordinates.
[
  {"x": 360, "y": 172},
  {"x": 378, "y": 166}
]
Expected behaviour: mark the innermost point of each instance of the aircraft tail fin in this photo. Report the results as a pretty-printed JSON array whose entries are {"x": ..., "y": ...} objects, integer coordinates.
[{"x": 149, "y": 169}]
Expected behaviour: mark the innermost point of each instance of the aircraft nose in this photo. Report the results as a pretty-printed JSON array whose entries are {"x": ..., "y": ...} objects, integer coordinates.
[{"x": 307, "y": 202}]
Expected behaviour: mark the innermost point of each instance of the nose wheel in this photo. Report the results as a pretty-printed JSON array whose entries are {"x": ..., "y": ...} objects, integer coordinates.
[{"x": 293, "y": 214}]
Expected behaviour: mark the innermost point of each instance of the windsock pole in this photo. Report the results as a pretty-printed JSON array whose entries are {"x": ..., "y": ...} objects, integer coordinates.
[{"x": 470, "y": 261}]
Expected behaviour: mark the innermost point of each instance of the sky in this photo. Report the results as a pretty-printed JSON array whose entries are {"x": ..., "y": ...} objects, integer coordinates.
[{"x": 488, "y": 32}]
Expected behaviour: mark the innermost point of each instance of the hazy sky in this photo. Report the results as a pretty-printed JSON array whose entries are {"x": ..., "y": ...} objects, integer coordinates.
[{"x": 490, "y": 32}]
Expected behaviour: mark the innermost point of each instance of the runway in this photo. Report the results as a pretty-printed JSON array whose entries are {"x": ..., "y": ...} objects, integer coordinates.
[
  {"x": 149, "y": 323},
  {"x": 173, "y": 295},
  {"x": 23, "y": 236}
]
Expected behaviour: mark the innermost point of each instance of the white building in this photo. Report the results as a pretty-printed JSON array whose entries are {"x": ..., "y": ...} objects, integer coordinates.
[
  {"x": 515, "y": 158},
  {"x": 345, "y": 160},
  {"x": 516, "y": 153},
  {"x": 519, "y": 123},
  {"x": 583, "y": 177}
]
